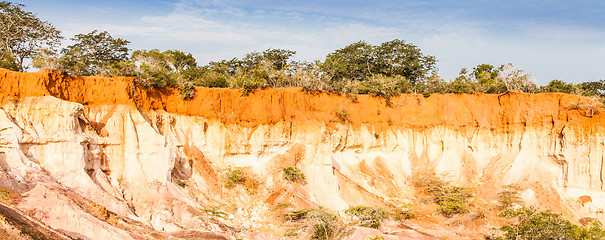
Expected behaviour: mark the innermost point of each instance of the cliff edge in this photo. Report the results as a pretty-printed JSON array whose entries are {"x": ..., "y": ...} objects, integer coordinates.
[{"x": 126, "y": 162}]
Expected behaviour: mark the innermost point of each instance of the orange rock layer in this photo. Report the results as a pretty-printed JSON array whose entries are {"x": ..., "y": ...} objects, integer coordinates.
[{"x": 291, "y": 104}]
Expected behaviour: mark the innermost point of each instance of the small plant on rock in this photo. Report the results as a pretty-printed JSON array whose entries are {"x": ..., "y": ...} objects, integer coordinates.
[
  {"x": 509, "y": 196},
  {"x": 450, "y": 200},
  {"x": 234, "y": 177},
  {"x": 343, "y": 115},
  {"x": 1, "y": 139},
  {"x": 317, "y": 223},
  {"x": 293, "y": 174},
  {"x": 215, "y": 212},
  {"x": 368, "y": 216},
  {"x": 404, "y": 212}
]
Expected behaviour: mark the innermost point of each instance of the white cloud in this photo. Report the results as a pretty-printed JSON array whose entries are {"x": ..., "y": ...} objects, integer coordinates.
[{"x": 562, "y": 32}]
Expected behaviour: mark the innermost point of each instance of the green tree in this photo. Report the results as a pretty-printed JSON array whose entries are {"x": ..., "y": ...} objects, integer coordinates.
[
  {"x": 398, "y": 58},
  {"x": 22, "y": 34},
  {"x": 486, "y": 78},
  {"x": 559, "y": 86},
  {"x": 487, "y": 81},
  {"x": 94, "y": 53},
  {"x": 592, "y": 88},
  {"x": 172, "y": 68},
  {"x": 153, "y": 68},
  {"x": 273, "y": 59},
  {"x": 462, "y": 84},
  {"x": 352, "y": 62},
  {"x": 360, "y": 60}
]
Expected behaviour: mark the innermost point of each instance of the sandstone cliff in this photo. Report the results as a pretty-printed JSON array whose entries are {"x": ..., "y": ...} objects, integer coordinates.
[{"x": 102, "y": 158}]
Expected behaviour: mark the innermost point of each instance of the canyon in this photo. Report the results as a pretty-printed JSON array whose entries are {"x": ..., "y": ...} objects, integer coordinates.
[{"x": 104, "y": 158}]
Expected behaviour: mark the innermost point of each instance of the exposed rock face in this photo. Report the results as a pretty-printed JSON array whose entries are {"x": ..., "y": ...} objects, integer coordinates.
[{"x": 100, "y": 158}]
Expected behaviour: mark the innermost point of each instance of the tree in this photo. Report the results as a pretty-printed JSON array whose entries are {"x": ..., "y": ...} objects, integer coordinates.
[
  {"x": 592, "y": 88},
  {"x": 94, "y": 53},
  {"x": 168, "y": 68},
  {"x": 22, "y": 34},
  {"x": 360, "y": 60},
  {"x": 486, "y": 77},
  {"x": 352, "y": 62},
  {"x": 398, "y": 58},
  {"x": 515, "y": 79},
  {"x": 171, "y": 68},
  {"x": 559, "y": 86},
  {"x": 463, "y": 83}
]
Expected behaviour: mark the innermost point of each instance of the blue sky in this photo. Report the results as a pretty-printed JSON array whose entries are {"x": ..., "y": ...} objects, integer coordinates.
[{"x": 551, "y": 39}]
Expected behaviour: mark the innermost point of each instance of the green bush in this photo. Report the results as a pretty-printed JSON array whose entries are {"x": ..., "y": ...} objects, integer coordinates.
[
  {"x": 532, "y": 224},
  {"x": 187, "y": 90},
  {"x": 234, "y": 177},
  {"x": 343, "y": 115},
  {"x": 404, "y": 213},
  {"x": 450, "y": 200},
  {"x": 1, "y": 138},
  {"x": 319, "y": 223},
  {"x": 382, "y": 86},
  {"x": 215, "y": 212},
  {"x": 509, "y": 196},
  {"x": 248, "y": 84},
  {"x": 368, "y": 216},
  {"x": 293, "y": 174},
  {"x": 559, "y": 86}
]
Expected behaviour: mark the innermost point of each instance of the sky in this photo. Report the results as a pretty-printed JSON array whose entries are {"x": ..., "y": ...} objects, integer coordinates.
[{"x": 550, "y": 39}]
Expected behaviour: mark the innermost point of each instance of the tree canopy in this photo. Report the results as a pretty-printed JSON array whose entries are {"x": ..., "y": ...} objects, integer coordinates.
[
  {"x": 22, "y": 34},
  {"x": 94, "y": 53},
  {"x": 360, "y": 60}
]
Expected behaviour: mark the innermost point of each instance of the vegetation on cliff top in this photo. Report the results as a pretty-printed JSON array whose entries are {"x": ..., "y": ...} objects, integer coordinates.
[{"x": 383, "y": 70}]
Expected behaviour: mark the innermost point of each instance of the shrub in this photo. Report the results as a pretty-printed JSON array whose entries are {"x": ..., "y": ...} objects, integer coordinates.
[
  {"x": 318, "y": 223},
  {"x": 343, "y": 115},
  {"x": 509, "y": 196},
  {"x": 450, "y": 200},
  {"x": 213, "y": 80},
  {"x": 404, "y": 214},
  {"x": 248, "y": 84},
  {"x": 234, "y": 177},
  {"x": 215, "y": 212},
  {"x": 7, "y": 196},
  {"x": 587, "y": 108},
  {"x": 532, "y": 224},
  {"x": 296, "y": 214},
  {"x": 1, "y": 138},
  {"x": 382, "y": 86},
  {"x": 187, "y": 90},
  {"x": 453, "y": 200},
  {"x": 293, "y": 174},
  {"x": 559, "y": 86},
  {"x": 368, "y": 216}
]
